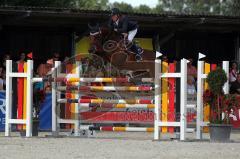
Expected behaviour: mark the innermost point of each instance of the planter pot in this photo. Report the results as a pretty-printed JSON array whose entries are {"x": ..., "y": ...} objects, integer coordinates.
[{"x": 220, "y": 132}]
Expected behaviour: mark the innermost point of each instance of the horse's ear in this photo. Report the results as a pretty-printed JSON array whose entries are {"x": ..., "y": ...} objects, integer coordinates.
[{"x": 93, "y": 25}]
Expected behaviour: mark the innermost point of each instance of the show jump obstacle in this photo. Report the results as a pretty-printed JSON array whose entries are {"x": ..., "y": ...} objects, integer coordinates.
[
  {"x": 155, "y": 102},
  {"x": 75, "y": 81},
  {"x": 29, "y": 97}
]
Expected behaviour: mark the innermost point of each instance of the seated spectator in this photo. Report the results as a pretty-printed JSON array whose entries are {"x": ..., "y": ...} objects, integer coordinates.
[
  {"x": 191, "y": 89},
  {"x": 164, "y": 58},
  {"x": 22, "y": 58},
  {"x": 2, "y": 78},
  {"x": 38, "y": 85},
  {"x": 191, "y": 70},
  {"x": 6, "y": 57},
  {"x": 43, "y": 69},
  {"x": 235, "y": 86},
  {"x": 66, "y": 59},
  {"x": 56, "y": 57},
  {"x": 233, "y": 72},
  {"x": 52, "y": 60}
]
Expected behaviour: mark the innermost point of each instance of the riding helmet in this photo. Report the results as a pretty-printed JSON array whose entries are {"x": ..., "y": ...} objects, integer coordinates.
[{"x": 115, "y": 11}]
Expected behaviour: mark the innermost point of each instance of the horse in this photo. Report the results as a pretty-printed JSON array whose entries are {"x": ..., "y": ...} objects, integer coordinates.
[{"x": 113, "y": 48}]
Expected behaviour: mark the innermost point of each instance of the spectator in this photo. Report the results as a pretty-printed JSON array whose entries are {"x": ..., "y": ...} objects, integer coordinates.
[
  {"x": 235, "y": 86},
  {"x": 233, "y": 72},
  {"x": 191, "y": 89},
  {"x": 38, "y": 85},
  {"x": 191, "y": 70},
  {"x": 52, "y": 60},
  {"x": 164, "y": 58},
  {"x": 22, "y": 58},
  {"x": 66, "y": 59},
  {"x": 6, "y": 57},
  {"x": 1, "y": 78},
  {"x": 56, "y": 57}
]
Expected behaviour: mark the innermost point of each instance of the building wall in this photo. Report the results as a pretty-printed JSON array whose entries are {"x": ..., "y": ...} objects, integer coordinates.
[
  {"x": 217, "y": 47},
  {"x": 43, "y": 42}
]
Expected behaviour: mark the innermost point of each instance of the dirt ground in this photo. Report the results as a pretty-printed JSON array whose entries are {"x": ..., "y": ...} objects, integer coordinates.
[{"x": 107, "y": 145}]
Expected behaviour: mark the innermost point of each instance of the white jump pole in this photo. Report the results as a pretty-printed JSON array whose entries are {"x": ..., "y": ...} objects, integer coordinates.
[
  {"x": 55, "y": 95},
  {"x": 8, "y": 98},
  {"x": 77, "y": 96},
  {"x": 225, "y": 66},
  {"x": 200, "y": 80},
  {"x": 183, "y": 115},
  {"x": 157, "y": 99},
  {"x": 29, "y": 97}
]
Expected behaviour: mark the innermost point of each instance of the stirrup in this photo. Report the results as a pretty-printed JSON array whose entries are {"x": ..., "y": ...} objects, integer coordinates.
[
  {"x": 138, "y": 57},
  {"x": 140, "y": 51}
]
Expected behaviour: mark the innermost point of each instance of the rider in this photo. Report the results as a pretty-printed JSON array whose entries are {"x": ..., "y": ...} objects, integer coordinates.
[{"x": 121, "y": 24}]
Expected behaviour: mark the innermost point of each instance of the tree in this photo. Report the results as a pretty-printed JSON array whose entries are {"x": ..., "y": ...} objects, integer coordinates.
[
  {"x": 143, "y": 9},
  {"x": 39, "y": 3},
  {"x": 92, "y": 4},
  {"x": 82, "y": 4},
  {"x": 234, "y": 6},
  {"x": 217, "y": 7},
  {"x": 123, "y": 7}
]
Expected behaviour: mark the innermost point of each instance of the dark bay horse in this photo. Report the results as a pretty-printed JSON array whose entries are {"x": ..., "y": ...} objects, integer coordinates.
[{"x": 113, "y": 48}]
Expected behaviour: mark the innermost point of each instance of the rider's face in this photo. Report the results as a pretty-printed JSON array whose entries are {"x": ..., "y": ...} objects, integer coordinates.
[{"x": 114, "y": 18}]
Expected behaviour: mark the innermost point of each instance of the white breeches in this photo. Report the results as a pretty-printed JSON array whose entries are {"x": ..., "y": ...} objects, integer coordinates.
[{"x": 132, "y": 34}]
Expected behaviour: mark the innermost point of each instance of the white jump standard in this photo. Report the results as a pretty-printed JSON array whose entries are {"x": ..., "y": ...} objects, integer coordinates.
[{"x": 29, "y": 95}]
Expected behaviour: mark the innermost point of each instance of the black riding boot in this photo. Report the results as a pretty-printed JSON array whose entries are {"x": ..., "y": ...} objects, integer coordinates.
[{"x": 138, "y": 50}]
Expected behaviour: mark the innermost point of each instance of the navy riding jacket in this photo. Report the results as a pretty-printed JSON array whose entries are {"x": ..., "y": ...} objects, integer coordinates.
[{"x": 124, "y": 25}]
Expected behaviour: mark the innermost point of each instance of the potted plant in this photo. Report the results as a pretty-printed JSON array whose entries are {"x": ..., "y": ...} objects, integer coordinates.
[{"x": 221, "y": 106}]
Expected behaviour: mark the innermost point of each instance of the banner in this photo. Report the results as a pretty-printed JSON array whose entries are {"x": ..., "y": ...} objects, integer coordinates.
[
  {"x": 45, "y": 114},
  {"x": 2, "y": 110}
]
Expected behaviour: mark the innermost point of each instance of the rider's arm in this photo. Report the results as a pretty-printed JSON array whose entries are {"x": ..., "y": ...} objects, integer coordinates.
[
  {"x": 124, "y": 27},
  {"x": 110, "y": 24}
]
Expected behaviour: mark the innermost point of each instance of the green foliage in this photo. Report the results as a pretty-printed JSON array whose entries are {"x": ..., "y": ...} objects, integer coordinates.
[
  {"x": 234, "y": 7},
  {"x": 124, "y": 7},
  {"x": 143, "y": 9},
  {"x": 39, "y": 3},
  {"x": 92, "y": 4},
  {"x": 218, "y": 7},
  {"x": 219, "y": 102},
  {"x": 216, "y": 80}
]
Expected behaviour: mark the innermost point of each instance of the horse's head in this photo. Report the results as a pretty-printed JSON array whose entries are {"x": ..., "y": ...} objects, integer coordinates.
[
  {"x": 99, "y": 36},
  {"x": 95, "y": 37}
]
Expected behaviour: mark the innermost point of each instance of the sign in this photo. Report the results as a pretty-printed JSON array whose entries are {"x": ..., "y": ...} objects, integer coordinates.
[{"x": 2, "y": 110}]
